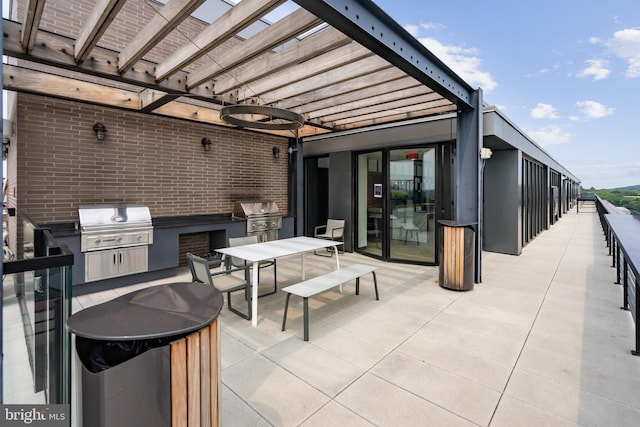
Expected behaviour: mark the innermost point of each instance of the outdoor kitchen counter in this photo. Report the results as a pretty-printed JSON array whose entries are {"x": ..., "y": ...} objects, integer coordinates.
[
  {"x": 164, "y": 252},
  {"x": 194, "y": 220},
  {"x": 64, "y": 229}
]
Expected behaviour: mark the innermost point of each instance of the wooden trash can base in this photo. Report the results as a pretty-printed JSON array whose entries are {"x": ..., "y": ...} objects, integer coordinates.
[{"x": 457, "y": 256}]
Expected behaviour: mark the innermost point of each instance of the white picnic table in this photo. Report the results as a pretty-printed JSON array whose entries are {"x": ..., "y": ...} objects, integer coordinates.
[{"x": 256, "y": 252}]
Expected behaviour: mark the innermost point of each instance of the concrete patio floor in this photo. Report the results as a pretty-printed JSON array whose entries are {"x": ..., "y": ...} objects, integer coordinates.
[{"x": 541, "y": 341}]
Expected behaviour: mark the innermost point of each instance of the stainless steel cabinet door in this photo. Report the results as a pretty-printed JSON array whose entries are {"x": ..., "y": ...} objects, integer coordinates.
[{"x": 115, "y": 262}]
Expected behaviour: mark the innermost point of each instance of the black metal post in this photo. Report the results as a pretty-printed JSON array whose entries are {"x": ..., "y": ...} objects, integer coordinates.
[
  {"x": 618, "y": 266},
  {"x": 636, "y": 352},
  {"x": 625, "y": 280}
]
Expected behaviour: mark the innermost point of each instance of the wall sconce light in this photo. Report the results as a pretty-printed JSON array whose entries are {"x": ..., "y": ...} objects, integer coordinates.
[
  {"x": 100, "y": 131},
  {"x": 5, "y": 147},
  {"x": 206, "y": 143},
  {"x": 276, "y": 152},
  {"x": 485, "y": 153}
]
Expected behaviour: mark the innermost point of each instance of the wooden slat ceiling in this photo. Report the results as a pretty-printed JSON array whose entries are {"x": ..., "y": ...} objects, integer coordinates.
[{"x": 331, "y": 80}]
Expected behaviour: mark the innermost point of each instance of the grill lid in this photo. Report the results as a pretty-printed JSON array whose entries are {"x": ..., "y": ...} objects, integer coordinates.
[
  {"x": 253, "y": 208},
  {"x": 113, "y": 216}
]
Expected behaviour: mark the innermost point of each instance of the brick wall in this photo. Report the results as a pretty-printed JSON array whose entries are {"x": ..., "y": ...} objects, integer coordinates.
[
  {"x": 196, "y": 243},
  {"x": 147, "y": 159}
]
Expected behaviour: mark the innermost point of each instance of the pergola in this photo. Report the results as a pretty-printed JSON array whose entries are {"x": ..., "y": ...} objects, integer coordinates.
[{"x": 339, "y": 64}]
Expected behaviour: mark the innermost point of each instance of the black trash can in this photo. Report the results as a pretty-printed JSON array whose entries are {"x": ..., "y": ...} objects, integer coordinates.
[
  {"x": 457, "y": 255},
  {"x": 133, "y": 350}
]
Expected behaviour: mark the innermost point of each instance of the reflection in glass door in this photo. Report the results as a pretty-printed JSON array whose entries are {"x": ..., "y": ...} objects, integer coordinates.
[
  {"x": 396, "y": 204},
  {"x": 370, "y": 204},
  {"x": 412, "y": 204}
]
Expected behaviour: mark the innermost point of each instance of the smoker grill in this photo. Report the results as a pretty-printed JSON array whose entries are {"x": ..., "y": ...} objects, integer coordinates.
[
  {"x": 263, "y": 218},
  {"x": 115, "y": 239}
]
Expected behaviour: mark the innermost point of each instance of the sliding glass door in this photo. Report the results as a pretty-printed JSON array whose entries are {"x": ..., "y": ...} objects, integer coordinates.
[
  {"x": 396, "y": 196},
  {"x": 370, "y": 203}
]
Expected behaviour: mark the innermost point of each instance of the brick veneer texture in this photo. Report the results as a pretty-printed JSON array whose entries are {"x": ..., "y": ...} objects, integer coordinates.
[
  {"x": 196, "y": 243},
  {"x": 153, "y": 160}
]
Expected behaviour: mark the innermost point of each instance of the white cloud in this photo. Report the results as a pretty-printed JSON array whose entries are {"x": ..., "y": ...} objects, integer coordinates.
[
  {"x": 608, "y": 175},
  {"x": 412, "y": 29},
  {"x": 432, "y": 26},
  {"x": 594, "y": 40},
  {"x": 550, "y": 135},
  {"x": 464, "y": 61},
  {"x": 597, "y": 68},
  {"x": 554, "y": 67},
  {"x": 626, "y": 45},
  {"x": 544, "y": 111},
  {"x": 594, "y": 110}
]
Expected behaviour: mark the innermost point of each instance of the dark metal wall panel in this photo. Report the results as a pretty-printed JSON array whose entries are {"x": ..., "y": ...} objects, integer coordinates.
[
  {"x": 495, "y": 123},
  {"x": 341, "y": 198},
  {"x": 534, "y": 199},
  {"x": 501, "y": 208}
]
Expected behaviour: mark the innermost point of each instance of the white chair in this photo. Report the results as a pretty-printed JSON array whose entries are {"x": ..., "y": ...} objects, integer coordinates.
[
  {"x": 235, "y": 262},
  {"x": 333, "y": 230}
]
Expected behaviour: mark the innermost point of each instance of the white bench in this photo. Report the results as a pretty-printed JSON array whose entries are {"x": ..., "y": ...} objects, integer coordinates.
[{"x": 325, "y": 282}]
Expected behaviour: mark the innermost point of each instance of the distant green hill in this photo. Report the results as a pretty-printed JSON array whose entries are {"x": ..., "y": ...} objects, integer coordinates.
[
  {"x": 629, "y": 188},
  {"x": 626, "y": 197}
]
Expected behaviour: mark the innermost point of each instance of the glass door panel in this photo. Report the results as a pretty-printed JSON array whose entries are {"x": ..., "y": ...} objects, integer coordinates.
[
  {"x": 370, "y": 203},
  {"x": 412, "y": 203}
]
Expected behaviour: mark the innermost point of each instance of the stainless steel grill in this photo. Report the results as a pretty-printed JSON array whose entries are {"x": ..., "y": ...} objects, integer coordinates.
[
  {"x": 263, "y": 218},
  {"x": 115, "y": 239}
]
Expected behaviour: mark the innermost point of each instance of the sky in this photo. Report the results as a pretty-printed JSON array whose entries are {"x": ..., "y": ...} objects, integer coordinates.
[{"x": 566, "y": 72}]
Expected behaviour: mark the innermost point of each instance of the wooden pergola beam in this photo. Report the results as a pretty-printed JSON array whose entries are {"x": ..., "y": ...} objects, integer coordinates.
[
  {"x": 316, "y": 44},
  {"x": 25, "y": 80},
  {"x": 274, "y": 35},
  {"x": 398, "y": 87},
  {"x": 228, "y": 25},
  {"x": 340, "y": 64},
  {"x": 409, "y": 111},
  {"x": 99, "y": 20},
  {"x": 151, "y": 99},
  {"x": 166, "y": 19},
  {"x": 347, "y": 88},
  {"x": 57, "y": 51},
  {"x": 30, "y": 23},
  {"x": 381, "y": 105},
  {"x": 409, "y": 96}
]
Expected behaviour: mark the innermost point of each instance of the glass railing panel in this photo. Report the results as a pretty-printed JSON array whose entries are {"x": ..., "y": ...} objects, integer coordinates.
[{"x": 35, "y": 306}]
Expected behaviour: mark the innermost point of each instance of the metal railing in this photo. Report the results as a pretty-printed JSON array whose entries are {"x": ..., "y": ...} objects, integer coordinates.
[
  {"x": 36, "y": 302},
  {"x": 621, "y": 231}
]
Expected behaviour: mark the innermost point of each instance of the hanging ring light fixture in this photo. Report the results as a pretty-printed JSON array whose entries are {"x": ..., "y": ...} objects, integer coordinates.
[{"x": 278, "y": 118}]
